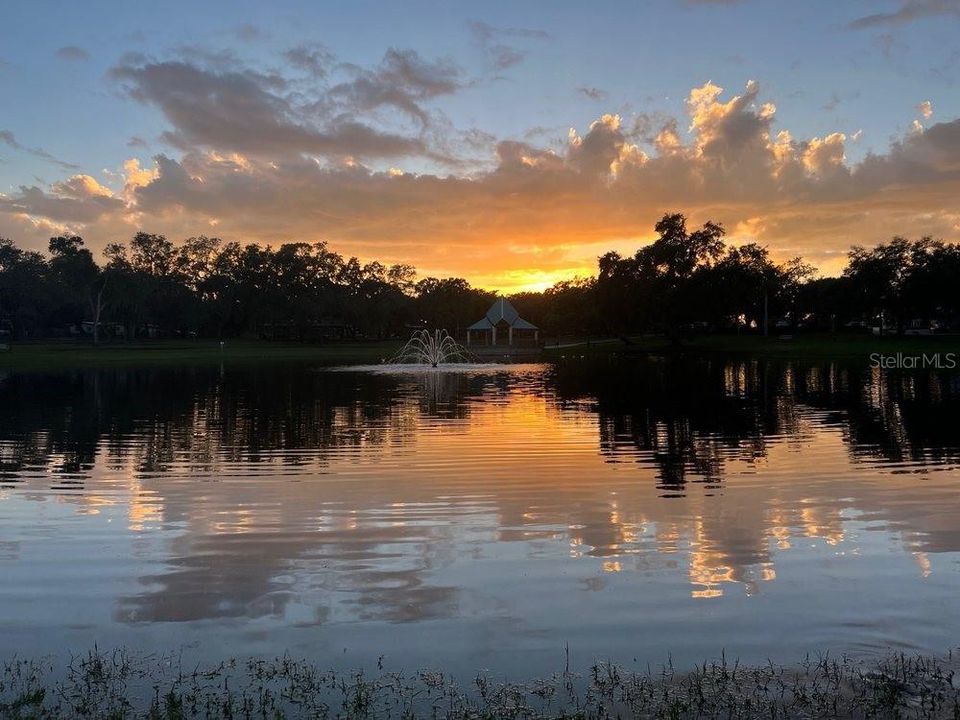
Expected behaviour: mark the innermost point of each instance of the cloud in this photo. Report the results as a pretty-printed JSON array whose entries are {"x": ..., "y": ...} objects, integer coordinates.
[
  {"x": 909, "y": 11},
  {"x": 8, "y": 139},
  {"x": 823, "y": 157},
  {"x": 592, "y": 93},
  {"x": 932, "y": 155},
  {"x": 81, "y": 187},
  {"x": 833, "y": 103},
  {"x": 79, "y": 199},
  {"x": 247, "y": 111},
  {"x": 604, "y": 150},
  {"x": 402, "y": 81},
  {"x": 541, "y": 209},
  {"x": 135, "y": 176},
  {"x": 492, "y": 41},
  {"x": 925, "y": 109},
  {"x": 72, "y": 53},
  {"x": 311, "y": 57},
  {"x": 731, "y": 139}
]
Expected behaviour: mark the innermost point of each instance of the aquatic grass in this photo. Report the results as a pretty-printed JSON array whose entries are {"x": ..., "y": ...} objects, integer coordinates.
[{"x": 118, "y": 684}]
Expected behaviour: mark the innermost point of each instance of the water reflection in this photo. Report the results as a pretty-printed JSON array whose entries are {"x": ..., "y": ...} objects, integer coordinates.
[{"x": 308, "y": 498}]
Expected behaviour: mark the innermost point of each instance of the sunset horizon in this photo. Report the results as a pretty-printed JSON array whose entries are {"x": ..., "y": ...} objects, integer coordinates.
[{"x": 510, "y": 147}]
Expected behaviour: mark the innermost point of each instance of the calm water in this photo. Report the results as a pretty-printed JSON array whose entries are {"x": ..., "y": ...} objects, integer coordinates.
[{"x": 631, "y": 509}]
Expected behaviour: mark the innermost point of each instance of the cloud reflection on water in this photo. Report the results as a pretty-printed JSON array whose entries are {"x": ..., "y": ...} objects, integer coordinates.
[{"x": 308, "y": 497}]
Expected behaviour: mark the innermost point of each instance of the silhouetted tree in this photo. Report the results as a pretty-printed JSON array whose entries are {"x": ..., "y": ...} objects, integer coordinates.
[
  {"x": 450, "y": 303},
  {"x": 653, "y": 289},
  {"x": 682, "y": 280},
  {"x": 24, "y": 297},
  {"x": 881, "y": 278},
  {"x": 78, "y": 282},
  {"x": 746, "y": 287}
]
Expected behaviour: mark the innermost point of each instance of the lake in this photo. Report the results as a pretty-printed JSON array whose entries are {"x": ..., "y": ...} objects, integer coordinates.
[{"x": 632, "y": 509}]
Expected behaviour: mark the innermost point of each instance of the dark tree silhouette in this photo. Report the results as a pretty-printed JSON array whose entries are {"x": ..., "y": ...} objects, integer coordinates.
[{"x": 684, "y": 281}]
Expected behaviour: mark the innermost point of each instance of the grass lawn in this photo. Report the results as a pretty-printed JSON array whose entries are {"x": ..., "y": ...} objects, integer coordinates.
[
  {"x": 812, "y": 346},
  {"x": 65, "y": 355}
]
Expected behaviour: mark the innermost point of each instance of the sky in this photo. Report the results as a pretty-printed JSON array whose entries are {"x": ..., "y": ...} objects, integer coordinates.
[{"x": 511, "y": 143}]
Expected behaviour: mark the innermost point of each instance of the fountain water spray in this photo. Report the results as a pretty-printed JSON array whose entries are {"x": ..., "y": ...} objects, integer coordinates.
[{"x": 431, "y": 348}]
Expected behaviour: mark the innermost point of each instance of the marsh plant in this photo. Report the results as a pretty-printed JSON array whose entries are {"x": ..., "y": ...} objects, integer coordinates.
[{"x": 119, "y": 684}]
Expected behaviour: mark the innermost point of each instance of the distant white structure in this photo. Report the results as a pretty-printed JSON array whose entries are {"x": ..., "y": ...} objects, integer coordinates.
[{"x": 503, "y": 316}]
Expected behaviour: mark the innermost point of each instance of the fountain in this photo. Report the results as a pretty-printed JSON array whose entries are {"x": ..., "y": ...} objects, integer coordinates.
[
  {"x": 431, "y": 348},
  {"x": 431, "y": 354}
]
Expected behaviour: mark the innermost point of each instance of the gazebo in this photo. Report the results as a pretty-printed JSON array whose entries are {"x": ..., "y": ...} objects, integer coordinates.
[{"x": 502, "y": 315}]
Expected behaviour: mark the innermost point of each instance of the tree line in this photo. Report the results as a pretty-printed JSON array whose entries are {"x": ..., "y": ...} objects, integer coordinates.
[{"x": 684, "y": 281}]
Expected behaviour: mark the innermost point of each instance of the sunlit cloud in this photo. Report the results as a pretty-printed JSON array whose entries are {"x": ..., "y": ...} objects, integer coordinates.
[{"x": 248, "y": 160}]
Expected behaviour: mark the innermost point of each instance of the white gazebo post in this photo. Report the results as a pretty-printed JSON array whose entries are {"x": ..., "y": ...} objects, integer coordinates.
[
  {"x": 468, "y": 337},
  {"x": 510, "y": 335},
  {"x": 494, "y": 331}
]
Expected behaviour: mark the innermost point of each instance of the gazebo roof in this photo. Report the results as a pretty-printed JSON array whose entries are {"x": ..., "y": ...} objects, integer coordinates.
[
  {"x": 502, "y": 310},
  {"x": 482, "y": 324}
]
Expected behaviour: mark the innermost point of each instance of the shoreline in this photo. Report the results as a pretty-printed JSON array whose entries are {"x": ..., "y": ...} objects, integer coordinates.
[
  {"x": 893, "y": 352},
  {"x": 43, "y": 356},
  {"x": 789, "y": 347},
  {"x": 119, "y": 684}
]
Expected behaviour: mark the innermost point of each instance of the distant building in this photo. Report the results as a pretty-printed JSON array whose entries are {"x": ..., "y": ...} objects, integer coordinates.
[{"x": 502, "y": 317}]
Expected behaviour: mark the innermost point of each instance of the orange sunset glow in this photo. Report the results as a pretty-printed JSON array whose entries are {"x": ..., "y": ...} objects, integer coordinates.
[{"x": 482, "y": 164}]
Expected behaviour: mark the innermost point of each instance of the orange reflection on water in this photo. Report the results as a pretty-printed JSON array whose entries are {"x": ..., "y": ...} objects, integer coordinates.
[{"x": 384, "y": 502}]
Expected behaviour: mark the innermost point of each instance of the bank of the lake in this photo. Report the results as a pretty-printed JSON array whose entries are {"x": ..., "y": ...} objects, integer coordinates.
[
  {"x": 65, "y": 355},
  {"x": 44, "y": 356},
  {"x": 797, "y": 347},
  {"x": 121, "y": 684}
]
